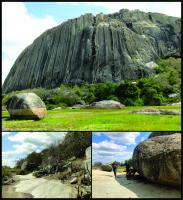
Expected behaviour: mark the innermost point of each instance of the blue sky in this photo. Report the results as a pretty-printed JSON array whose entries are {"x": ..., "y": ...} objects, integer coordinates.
[
  {"x": 22, "y": 22},
  {"x": 17, "y": 145},
  {"x": 115, "y": 146}
]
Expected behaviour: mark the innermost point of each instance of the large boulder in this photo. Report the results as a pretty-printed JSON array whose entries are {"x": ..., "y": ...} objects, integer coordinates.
[
  {"x": 158, "y": 159},
  {"x": 107, "y": 104},
  {"x": 26, "y": 106}
]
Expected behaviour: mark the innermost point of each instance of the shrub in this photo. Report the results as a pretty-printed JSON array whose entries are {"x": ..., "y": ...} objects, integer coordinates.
[
  {"x": 107, "y": 168},
  {"x": 97, "y": 164}
]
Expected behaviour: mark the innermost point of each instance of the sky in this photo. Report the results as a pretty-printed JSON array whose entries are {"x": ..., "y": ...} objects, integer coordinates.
[
  {"x": 108, "y": 147},
  {"x": 17, "y": 145},
  {"x": 22, "y": 22}
]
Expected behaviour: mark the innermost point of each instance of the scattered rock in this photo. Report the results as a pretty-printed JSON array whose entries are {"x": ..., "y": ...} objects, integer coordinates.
[
  {"x": 74, "y": 180},
  {"x": 169, "y": 112},
  {"x": 57, "y": 108},
  {"x": 107, "y": 104},
  {"x": 8, "y": 181},
  {"x": 176, "y": 104},
  {"x": 26, "y": 106},
  {"x": 158, "y": 159},
  {"x": 76, "y": 106},
  {"x": 152, "y": 111}
]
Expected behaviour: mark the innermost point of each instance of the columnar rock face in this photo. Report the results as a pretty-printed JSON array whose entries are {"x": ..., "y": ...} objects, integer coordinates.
[
  {"x": 159, "y": 159},
  {"x": 101, "y": 48},
  {"x": 26, "y": 106}
]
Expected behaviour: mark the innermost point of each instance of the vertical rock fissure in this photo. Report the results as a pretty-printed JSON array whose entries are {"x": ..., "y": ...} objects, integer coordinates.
[
  {"x": 112, "y": 52},
  {"x": 93, "y": 47}
]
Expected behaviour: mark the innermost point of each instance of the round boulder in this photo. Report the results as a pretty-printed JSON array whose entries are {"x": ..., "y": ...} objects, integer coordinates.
[
  {"x": 107, "y": 104},
  {"x": 158, "y": 159},
  {"x": 26, "y": 106}
]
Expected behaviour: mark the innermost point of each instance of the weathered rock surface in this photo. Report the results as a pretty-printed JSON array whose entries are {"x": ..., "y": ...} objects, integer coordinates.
[
  {"x": 88, "y": 159},
  {"x": 152, "y": 111},
  {"x": 154, "y": 134},
  {"x": 176, "y": 104},
  {"x": 26, "y": 106},
  {"x": 106, "y": 104},
  {"x": 159, "y": 159},
  {"x": 101, "y": 48}
]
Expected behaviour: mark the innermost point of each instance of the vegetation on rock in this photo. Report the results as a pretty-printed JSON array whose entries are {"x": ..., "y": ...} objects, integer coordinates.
[{"x": 161, "y": 89}]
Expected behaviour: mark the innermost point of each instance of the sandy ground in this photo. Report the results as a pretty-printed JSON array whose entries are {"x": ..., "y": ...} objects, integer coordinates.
[
  {"x": 104, "y": 185},
  {"x": 40, "y": 188}
]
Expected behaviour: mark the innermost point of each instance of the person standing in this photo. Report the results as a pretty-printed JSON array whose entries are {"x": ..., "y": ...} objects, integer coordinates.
[{"x": 114, "y": 168}]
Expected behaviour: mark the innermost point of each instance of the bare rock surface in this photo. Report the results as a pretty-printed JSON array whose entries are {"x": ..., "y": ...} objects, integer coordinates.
[
  {"x": 107, "y": 104},
  {"x": 26, "y": 106},
  {"x": 102, "y": 48},
  {"x": 158, "y": 159}
]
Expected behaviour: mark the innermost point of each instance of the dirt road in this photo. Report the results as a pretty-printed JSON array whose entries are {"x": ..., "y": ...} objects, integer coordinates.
[{"x": 104, "y": 185}]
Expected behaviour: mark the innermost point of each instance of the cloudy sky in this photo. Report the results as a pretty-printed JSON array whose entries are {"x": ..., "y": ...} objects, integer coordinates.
[
  {"x": 115, "y": 146},
  {"x": 23, "y": 22},
  {"x": 17, "y": 145}
]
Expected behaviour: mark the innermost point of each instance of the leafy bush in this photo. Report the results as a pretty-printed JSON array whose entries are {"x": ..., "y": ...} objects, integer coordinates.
[
  {"x": 97, "y": 164},
  {"x": 107, "y": 168},
  {"x": 144, "y": 91},
  {"x": 6, "y": 172}
]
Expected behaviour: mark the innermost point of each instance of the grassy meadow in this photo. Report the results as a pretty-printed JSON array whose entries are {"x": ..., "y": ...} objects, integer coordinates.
[{"x": 97, "y": 120}]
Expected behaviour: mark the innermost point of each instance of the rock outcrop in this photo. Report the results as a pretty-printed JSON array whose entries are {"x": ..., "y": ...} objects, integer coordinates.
[
  {"x": 107, "y": 104},
  {"x": 158, "y": 159},
  {"x": 26, "y": 106},
  {"x": 88, "y": 159},
  {"x": 101, "y": 48},
  {"x": 153, "y": 111},
  {"x": 154, "y": 134}
]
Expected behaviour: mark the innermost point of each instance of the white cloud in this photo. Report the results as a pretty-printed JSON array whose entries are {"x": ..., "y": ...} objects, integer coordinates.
[
  {"x": 126, "y": 138},
  {"x": 6, "y": 133},
  {"x": 108, "y": 146},
  {"x": 27, "y": 142},
  {"x": 168, "y": 8},
  {"x": 108, "y": 151},
  {"x": 19, "y": 29}
]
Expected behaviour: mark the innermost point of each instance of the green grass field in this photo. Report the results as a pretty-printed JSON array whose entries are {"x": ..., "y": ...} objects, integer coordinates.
[{"x": 97, "y": 120}]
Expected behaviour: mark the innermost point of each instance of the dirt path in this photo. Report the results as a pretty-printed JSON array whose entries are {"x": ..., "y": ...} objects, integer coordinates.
[
  {"x": 104, "y": 185},
  {"x": 29, "y": 186}
]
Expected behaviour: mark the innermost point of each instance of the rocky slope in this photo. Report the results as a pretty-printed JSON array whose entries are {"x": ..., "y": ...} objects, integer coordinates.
[{"x": 101, "y": 48}]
